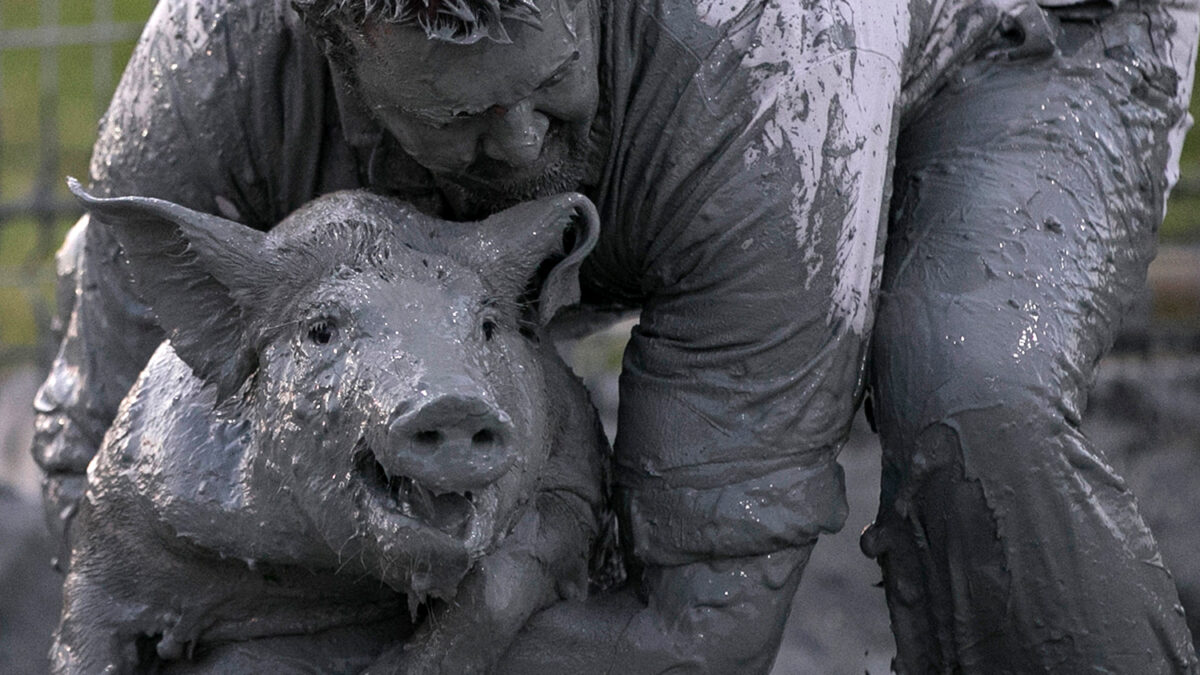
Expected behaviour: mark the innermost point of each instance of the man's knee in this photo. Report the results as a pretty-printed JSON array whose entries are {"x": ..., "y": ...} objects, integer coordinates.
[{"x": 969, "y": 360}]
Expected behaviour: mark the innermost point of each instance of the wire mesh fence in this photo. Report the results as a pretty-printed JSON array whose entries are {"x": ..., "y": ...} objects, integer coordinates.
[{"x": 59, "y": 63}]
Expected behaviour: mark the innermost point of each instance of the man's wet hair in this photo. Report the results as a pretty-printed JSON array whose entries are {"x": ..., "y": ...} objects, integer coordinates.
[{"x": 456, "y": 21}]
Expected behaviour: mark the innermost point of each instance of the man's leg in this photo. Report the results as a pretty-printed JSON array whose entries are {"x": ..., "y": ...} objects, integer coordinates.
[{"x": 1028, "y": 195}]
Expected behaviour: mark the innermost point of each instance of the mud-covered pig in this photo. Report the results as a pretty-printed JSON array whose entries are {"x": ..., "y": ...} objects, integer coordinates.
[{"x": 353, "y": 434}]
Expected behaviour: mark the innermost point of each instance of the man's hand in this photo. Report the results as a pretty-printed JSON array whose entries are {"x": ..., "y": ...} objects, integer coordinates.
[{"x": 723, "y": 616}]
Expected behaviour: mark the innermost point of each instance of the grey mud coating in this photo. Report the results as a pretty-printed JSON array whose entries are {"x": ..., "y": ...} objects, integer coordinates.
[
  {"x": 742, "y": 155},
  {"x": 346, "y": 456},
  {"x": 986, "y": 471}
]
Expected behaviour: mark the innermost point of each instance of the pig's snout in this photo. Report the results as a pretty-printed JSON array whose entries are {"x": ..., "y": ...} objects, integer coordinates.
[{"x": 451, "y": 443}]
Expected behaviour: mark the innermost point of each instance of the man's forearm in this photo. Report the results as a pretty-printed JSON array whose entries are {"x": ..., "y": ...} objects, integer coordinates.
[
  {"x": 722, "y": 616},
  {"x": 107, "y": 338}
]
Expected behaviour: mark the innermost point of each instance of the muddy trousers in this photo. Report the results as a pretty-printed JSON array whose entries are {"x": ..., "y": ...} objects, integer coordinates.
[{"x": 1026, "y": 204}]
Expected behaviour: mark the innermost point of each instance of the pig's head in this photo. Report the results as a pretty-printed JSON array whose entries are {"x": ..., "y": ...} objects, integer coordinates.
[{"x": 389, "y": 361}]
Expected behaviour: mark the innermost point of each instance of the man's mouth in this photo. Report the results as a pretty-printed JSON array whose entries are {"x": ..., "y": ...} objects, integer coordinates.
[
  {"x": 497, "y": 176},
  {"x": 448, "y": 512}
]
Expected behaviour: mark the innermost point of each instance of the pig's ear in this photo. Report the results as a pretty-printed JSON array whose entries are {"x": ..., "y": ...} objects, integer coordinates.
[
  {"x": 535, "y": 249},
  {"x": 200, "y": 274}
]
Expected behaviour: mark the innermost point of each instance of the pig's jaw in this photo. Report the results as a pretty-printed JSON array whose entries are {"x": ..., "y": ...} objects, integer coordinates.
[{"x": 467, "y": 517}]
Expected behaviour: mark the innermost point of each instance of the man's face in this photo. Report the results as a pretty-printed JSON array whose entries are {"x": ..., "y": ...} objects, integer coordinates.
[{"x": 495, "y": 123}]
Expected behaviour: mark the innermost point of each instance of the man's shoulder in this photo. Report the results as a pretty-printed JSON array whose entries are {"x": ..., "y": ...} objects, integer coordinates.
[
  {"x": 200, "y": 27},
  {"x": 212, "y": 55},
  {"x": 217, "y": 13},
  {"x": 215, "y": 104},
  {"x": 691, "y": 26}
]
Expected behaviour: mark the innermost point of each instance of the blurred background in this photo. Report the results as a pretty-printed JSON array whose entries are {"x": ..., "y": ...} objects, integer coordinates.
[{"x": 59, "y": 63}]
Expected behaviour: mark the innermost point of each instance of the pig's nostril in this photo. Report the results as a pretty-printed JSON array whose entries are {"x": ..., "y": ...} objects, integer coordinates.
[
  {"x": 432, "y": 437},
  {"x": 483, "y": 437}
]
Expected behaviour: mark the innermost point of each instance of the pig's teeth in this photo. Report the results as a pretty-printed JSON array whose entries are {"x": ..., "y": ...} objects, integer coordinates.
[
  {"x": 396, "y": 488},
  {"x": 408, "y": 487},
  {"x": 426, "y": 499}
]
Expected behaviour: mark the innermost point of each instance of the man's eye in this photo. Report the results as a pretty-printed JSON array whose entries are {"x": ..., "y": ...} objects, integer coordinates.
[
  {"x": 449, "y": 119},
  {"x": 429, "y": 119},
  {"x": 555, "y": 79},
  {"x": 562, "y": 73},
  {"x": 436, "y": 122}
]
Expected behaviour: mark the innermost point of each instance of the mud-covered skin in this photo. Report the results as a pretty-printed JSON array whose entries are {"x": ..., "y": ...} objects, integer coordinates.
[
  {"x": 352, "y": 419},
  {"x": 745, "y": 151}
]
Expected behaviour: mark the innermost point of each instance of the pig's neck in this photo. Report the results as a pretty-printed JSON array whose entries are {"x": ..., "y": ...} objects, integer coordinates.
[
  {"x": 277, "y": 532},
  {"x": 579, "y": 448}
]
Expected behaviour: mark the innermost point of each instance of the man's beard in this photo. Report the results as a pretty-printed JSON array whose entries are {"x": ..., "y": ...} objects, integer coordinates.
[{"x": 567, "y": 163}]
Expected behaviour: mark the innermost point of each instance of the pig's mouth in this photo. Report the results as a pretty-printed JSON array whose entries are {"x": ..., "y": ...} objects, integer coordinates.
[{"x": 452, "y": 513}]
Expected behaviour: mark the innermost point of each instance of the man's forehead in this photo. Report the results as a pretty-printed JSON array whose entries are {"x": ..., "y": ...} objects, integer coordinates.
[
  {"x": 429, "y": 73},
  {"x": 557, "y": 21}
]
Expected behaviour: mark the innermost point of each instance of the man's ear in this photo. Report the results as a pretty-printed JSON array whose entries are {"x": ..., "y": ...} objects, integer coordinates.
[
  {"x": 200, "y": 274},
  {"x": 533, "y": 251}
]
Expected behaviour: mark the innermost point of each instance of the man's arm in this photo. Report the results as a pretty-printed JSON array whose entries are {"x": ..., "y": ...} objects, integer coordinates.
[
  {"x": 197, "y": 121},
  {"x": 748, "y": 209},
  {"x": 107, "y": 338},
  {"x": 705, "y": 617}
]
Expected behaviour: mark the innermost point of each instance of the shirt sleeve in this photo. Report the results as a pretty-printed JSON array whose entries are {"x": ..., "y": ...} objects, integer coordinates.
[
  {"x": 745, "y": 199},
  {"x": 220, "y": 109}
]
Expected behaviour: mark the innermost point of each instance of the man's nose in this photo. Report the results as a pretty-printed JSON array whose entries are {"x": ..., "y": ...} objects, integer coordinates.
[{"x": 515, "y": 135}]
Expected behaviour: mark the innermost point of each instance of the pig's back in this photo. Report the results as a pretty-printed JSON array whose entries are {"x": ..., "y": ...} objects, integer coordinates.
[{"x": 184, "y": 465}]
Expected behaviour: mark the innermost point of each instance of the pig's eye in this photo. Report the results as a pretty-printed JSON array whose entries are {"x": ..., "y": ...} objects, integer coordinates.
[
  {"x": 489, "y": 329},
  {"x": 322, "y": 331}
]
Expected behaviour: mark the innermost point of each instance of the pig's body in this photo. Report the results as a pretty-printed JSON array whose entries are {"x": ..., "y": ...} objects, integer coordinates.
[{"x": 219, "y": 523}]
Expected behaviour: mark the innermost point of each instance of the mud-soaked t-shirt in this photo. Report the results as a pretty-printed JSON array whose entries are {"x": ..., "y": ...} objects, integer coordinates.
[{"x": 742, "y": 198}]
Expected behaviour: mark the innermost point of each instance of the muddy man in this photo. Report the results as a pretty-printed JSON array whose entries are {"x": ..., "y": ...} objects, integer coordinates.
[{"x": 944, "y": 202}]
